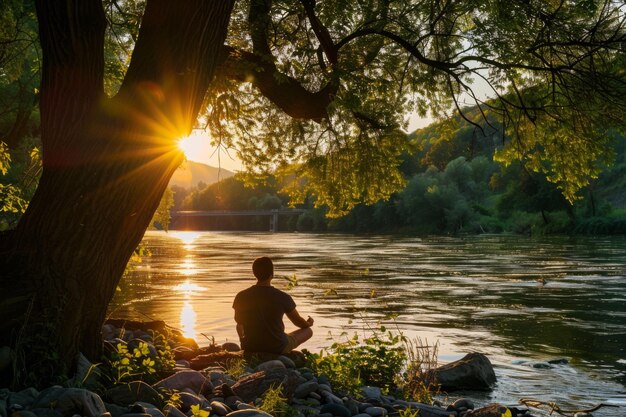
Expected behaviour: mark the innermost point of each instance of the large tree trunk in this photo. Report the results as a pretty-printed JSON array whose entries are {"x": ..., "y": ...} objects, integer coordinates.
[{"x": 106, "y": 164}]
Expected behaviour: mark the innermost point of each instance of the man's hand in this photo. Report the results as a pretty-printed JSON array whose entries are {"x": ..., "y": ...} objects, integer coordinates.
[{"x": 310, "y": 321}]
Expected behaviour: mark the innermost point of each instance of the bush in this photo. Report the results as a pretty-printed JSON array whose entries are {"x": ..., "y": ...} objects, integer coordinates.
[{"x": 377, "y": 361}]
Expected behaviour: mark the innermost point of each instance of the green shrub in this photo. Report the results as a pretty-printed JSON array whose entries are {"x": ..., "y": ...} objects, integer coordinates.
[{"x": 376, "y": 360}]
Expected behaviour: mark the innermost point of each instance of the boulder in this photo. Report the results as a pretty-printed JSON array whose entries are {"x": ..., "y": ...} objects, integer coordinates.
[
  {"x": 115, "y": 410},
  {"x": 376, "y": 411},
  {"x": 472, "y": 372},
  {"x": 44, "y": 412},
  {"x": 194, "y": 380},
  {"x": 187, "y": 400},
  {"x": 220, "y": 408},
  {"x": 254, "y": 386},
  {"x": 371, "y": 392},
  {"x": 80, "y": 401},
  {"x": 132, "y": 392}
]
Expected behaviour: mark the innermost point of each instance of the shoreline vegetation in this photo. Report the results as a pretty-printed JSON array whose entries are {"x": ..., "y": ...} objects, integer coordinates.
[{"x": 151, "y": 370}]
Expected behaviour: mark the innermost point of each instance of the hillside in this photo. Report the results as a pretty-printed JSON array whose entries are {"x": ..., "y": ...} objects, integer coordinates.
[{"x": 190, "y": 173}]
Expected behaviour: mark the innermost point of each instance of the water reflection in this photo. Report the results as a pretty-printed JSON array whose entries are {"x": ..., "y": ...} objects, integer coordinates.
[
  {"x": 188, "y": 319},
  {"x": 187, "y": 237},
  {"x": 188, "y": 315}
]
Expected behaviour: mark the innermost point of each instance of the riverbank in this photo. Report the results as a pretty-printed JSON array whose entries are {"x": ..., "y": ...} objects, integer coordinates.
[{"x": 147, "y": 375}]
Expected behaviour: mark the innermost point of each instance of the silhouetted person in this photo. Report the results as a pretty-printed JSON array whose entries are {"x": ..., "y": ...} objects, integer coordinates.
[{"x": 259, "y": 314}]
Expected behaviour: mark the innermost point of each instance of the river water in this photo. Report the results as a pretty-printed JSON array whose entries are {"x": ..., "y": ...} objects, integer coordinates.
[{"x": 519, "y": 300}]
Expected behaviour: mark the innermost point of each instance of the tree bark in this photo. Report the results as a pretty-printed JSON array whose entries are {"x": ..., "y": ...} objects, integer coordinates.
[{"x": 106, "y": 164}]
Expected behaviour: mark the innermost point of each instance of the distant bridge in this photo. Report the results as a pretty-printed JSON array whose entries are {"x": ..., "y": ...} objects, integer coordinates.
[{"x": 273, "y": 214}]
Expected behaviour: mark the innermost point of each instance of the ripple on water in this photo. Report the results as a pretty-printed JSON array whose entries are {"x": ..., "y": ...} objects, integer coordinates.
[{"x": 472, "y": 293}]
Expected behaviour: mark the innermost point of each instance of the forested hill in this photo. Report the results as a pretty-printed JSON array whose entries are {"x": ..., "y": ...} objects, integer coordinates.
[
  {"x": 453, "y": 185},
  {"x": 190, "y": 173}
]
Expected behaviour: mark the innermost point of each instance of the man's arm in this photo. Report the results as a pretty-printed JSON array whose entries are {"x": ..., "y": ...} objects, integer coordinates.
[
  {"x": 298, "y": 320},
  {"x": 240, "y": 331}
]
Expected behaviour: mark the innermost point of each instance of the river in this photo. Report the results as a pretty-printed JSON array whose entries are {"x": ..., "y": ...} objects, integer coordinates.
[{"x": 522, "y": 301}]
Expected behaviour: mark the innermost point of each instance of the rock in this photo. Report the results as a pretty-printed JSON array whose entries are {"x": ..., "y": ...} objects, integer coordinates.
[
  {"x": 136, "y": 415},
  {"x": 248, "y": 413},
  {"x": 325, "y": 415},
  {"x": 273, "y": 364},
  {"x": 109, "y": 332},
  {"x": 307, "y": 410},
  {"x": 220, "y": 377},
  {"x": 24, "y": 397},
  {"x": 541, "y": 365},
  {"x": 492, "y": 410},
  {"x": 315, "y": 395},
  {"x": 47, "y": 397},
  {"x": 220, "y": 409},
  {"x": 361, "y": 415},
  {"x": 297, "y": 357},
  {"x": 154, "y": 412},
  {"x": 194, "y": 380},
  {"x": 231, "y": 347},
  {"x": 115, "y": 410},
  {"x": 244, "y": 406},
  {"x": 253, "y": 386},
  {"x": 559, "y": 361},
  {"x": 231, "y": 401},
  {"x": 473, "y": 372},
  {"x": 376, "y": 411},
  {"x": 133, "y": 392},
  {"x": 287, "y": 362},
  {"x": 336, "y": 410},
  {"x": 182, "y": 363},
  {"x": 45, "y": 412},
  {"x": 188, "y": 399},
  {"x": 331, "y": 398},
  {"x": 171, "y": 411},
  {"x": 461, "y": 404},
  {"x": 352, "y": 405},
  {"x": 80, "y": 401},
  {"x": 371, "y": 392},
  {"x": 305, "y": 389},
  {"x": 583, "y": 414},
  {"x": 426, "y": 410}
]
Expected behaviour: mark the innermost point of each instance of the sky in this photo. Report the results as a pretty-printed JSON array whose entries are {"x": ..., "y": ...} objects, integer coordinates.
[{"x": 198, "y": 148}]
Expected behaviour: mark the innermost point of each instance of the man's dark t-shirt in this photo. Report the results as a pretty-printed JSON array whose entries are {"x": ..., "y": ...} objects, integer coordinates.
[{"x": 259, "y": 309}]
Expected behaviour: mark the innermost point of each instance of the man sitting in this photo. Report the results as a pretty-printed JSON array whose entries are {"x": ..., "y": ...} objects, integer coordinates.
[{"x": 259, "y": 315}]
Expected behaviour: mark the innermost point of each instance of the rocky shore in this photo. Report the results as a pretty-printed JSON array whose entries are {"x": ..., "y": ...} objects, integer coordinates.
[{"x": 202, "y": 384}]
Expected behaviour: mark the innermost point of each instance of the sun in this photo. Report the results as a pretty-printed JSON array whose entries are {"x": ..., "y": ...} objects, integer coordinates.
[{"x": 196, "y": 147}]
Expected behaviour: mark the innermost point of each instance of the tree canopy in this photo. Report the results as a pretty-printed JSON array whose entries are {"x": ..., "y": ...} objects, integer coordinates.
[{"x": 316, "y": 93}]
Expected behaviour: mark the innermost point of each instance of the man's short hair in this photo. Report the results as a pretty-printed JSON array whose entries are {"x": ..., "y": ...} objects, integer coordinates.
[{"x": 263, "y": 268}]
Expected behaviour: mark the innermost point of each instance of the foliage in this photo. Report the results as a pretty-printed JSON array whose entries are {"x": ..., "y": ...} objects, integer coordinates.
[
  {"x": 124, "y": 365},
  {"x": 235, "y": 367},
  {"x": 416, "y": 382},
  {"x": 162, "y": 215},
  {"x": 19, "y": 174},
  {"x": 196, "y": 411},
  {"x": 376, "y": 360},
  {"x": 274, "y": 403}
]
